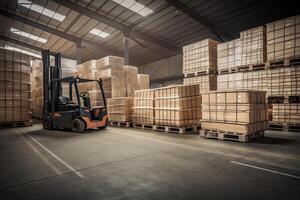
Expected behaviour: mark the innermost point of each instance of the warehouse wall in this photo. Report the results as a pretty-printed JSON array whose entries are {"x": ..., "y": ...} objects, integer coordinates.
[{"x": 164, "y": 72}]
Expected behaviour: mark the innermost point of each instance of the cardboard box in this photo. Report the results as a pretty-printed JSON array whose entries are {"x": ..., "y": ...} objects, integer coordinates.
[
  {"x": 283, "y": 38},
  {"x": 120, "y": 109},
  {"x": 200, "y": 56}
]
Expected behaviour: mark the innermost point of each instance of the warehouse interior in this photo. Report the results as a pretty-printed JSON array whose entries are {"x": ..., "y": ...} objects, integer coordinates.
[{"x": 149, "y": 99}]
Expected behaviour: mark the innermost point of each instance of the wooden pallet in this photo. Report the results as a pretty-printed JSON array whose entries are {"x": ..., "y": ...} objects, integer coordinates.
[
  {"x": 176, "y": 129},
  {"x": 120, "y": 124},
  {"x": 15, "y": 124},
  {"x": 281, "y": 126},
  {"x": 242, "y": 68},
  {"x": 283, "y": 99},
  {"x": 202, "y": 73},
  {"x": 285, "y": 62},
  {"x": 143, "y": 126},
  {"x": 223, "y": 135}
]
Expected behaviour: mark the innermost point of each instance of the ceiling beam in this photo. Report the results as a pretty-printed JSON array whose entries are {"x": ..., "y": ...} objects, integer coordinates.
[
  {"x": 67, "y": 36},
  {"x": 219, "y": 32},
  {"x": 26, "y": 45},
  {"x": 116, "y": 24}
]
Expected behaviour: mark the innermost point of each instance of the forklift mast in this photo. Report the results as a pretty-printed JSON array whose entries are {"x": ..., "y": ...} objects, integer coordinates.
[{"x": 51, "y": 92}]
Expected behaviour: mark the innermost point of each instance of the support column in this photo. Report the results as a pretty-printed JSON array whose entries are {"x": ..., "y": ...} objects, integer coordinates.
[
  {"x": 78, "y": 52},
  {"x": 126, "y": 46}
]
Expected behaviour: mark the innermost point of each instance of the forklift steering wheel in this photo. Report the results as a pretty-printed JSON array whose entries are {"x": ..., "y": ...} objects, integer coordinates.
[{"x": 84, "y": 94}]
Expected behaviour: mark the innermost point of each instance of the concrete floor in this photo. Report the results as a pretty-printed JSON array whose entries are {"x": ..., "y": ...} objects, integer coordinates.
[{"x": 122, "y": 163}]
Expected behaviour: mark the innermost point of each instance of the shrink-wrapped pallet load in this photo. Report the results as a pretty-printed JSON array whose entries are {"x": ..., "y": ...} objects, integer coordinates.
[
  {"x": 143, "y": 107},
  {"x": 120, "y": 109},
  {"x": 286, "y": 113},
  {"x": 15, "y": 88},
  {"x": 229, "y": 55},
  {"x": 200, "y": 56},
  {"x": 252, "y": 80},
  {"x": 178, "y": 105},
  {"x": 283, "y": 81},
  {"x": 206, "y": 83},
  {"x": 143, "y": 81},
  {"x": 283, "y": 38},
  {"x": 240, "y": 112},
  {"x": 253, "y": 46}
]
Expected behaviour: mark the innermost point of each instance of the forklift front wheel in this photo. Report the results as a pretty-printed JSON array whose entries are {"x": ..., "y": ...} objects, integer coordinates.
[
  {"x": 78, "y": 126},
  {"x": 47, "y": 122}
]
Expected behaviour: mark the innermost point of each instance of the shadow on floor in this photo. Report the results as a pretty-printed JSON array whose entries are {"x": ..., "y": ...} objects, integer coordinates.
[{"x": 273, "y": 140}]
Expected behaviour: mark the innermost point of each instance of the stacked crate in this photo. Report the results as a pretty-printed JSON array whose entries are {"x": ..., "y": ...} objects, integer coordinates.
[
  {"x": 283, "y": 38},
  {"x": 143, "y": 81},
  {"x": 252, "y": 80},
  {"x": 143, "y": 108},
  {"x": 200, "y": 64},
  {"x": 15, "y": 91},
  {"x": 283, "y": 54},
  {"x": 177, "y": 106},
  {"x": 229, "y": 55},
  {"x": 120, "y": 109},
  {"x": 253, "y": 46},
  {"x": 241, "y": 62},
  {"x": 235, "y": 115}
]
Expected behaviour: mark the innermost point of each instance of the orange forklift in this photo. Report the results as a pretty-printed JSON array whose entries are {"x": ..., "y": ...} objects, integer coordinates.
[{"x": 60, "y": 112}]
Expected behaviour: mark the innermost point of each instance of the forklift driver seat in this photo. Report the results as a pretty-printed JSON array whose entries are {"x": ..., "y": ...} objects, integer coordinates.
[{"x": 65, "y": 104}]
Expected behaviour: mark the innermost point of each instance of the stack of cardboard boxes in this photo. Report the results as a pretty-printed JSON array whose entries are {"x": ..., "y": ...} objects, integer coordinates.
[
  {"x": 234, "y": 112},
  {"x": 229, "y": 55},
  {"x": 120, "y": 109},
  {"x": 177, "y": 105},
  {"x": 143, "y": 107},
  {"x": 283, "y": 48},
  {"x": 200, "y": 64},
  {"x": 15, "y": 91}
]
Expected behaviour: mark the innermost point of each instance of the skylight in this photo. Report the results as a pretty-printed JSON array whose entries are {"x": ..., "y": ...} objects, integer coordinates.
[
  {"x": 135, "y": 7},
  {"x": 22, "y": 51},
  {"x": 99, "y": 33},
  {"x": 28, "y": 35},
  {"x": 42, "y": 10}
]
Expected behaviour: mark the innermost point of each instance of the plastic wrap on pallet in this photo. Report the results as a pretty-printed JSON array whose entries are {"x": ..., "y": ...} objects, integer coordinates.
[
  {"x": 283, "y": 38},
  {"x": 177, "y": 105},
  {"x": 229, "y": 54},
  {"x": 15, "y": 87},
  {"x": 200, "y": 56},
  {"x": 253, "y": 46},
  {"x": 238, "y": 111}
]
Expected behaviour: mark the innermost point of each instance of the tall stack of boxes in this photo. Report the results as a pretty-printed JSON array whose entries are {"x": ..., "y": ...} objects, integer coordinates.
[
  {"x": 120, "y": 109},
  {"x": 229, "y": 55},
  {"x": 143, "y": 107},
  {"x": 253, "y": 46},
  {"x": 237, "y": 112},
  {"x": 177, "y": 105},
  {"x": 15, "y": 91},
  {"x": 283, "y": 45},
  {"x": 200, "y": 64}
]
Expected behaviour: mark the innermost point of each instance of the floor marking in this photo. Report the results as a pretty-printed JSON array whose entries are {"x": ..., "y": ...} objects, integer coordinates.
[
  {"x": 46, "y": 161},
  {"x": 264, "y": 169},
  {"x": 55, "y": 156}
]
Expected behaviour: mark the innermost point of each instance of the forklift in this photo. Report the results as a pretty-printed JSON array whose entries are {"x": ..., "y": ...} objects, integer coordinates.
[{"x": 60, "y": 112}]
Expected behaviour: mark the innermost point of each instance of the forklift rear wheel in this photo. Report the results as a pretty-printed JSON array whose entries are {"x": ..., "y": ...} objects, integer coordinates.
[
  {"x": 47, "y": 122},
  {"x": 78, "y": 126}
]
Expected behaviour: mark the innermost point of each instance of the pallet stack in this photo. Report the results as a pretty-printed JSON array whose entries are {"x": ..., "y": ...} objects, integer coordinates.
[
  {"x": 143, "y": 109},
  {"x": 253, "y": 46},
  {"x": 283, "y": 53},
  {"x": 177, "y": 107},
  {"x": 241, "y": 62},
  {"x": 120, "y": 111},
  {"x": 15, "y": 91},
  {"x": 239, "y": 115},
  {"x": 200, "y": 64}
]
